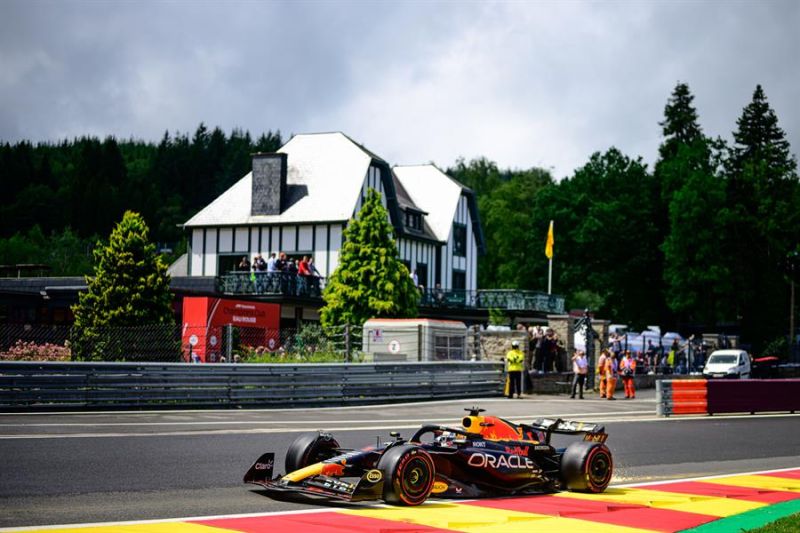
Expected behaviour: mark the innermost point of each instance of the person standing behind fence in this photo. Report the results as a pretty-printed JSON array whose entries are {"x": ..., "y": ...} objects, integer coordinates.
[
  {"x": 601, "y": 373},
  {"x": 628, "y": 368},
  {"x": 514, "y": 362},
  {"x": 580, "y": 367}
]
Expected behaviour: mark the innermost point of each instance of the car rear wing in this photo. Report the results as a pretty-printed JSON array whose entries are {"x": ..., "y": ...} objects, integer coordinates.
[{"x": 592, "y": 432}]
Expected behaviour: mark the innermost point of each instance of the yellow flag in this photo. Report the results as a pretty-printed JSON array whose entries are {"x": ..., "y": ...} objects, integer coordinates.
[{"x": 548, "y": 248}]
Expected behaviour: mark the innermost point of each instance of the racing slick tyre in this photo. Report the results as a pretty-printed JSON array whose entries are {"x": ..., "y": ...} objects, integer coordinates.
[
  {"x": 309, "y": 448},
  {"x": 586, "y": 467},
  {"x": 408, "y": 473}
]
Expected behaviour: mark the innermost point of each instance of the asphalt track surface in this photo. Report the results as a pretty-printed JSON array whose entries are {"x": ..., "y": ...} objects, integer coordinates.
[{"x": 100, "y": 467}]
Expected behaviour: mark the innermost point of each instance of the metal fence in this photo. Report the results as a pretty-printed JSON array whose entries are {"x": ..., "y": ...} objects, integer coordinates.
[
  {"x": 235, "y": 344},
  {"x": 270, "y": 283},
  {"x": 28, "y": 385},
  {"x": 288, "y": 284}
]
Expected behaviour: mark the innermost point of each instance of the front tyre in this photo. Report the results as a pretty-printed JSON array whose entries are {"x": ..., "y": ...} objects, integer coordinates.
[
  {"x": 309, "y": 448},
  {"x": 408, "y": 473},
  {"x": 587, "y": 467}
]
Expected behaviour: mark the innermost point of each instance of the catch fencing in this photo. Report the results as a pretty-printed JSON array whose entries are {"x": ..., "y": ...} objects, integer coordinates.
[
  {"x": 48, "y": 385},
  {"x": 170, "y": 343}
]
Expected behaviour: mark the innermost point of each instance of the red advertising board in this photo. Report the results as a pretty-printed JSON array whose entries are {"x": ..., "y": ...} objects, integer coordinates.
[{"x": 204, "y": 319}]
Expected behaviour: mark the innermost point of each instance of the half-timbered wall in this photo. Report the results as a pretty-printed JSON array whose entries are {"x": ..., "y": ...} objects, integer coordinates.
[
  {"x": 466, "y": 263},
  {"x": 322, "y": 241},
  {"x": 372, "y": 180},
  {"x": 414, "y": 252}
]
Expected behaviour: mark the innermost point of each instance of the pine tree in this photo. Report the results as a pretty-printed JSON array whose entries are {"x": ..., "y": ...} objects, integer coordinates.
[
  {"x": 680, "y": 122},
  {"x": 764, "y": 224},
  {"x": 370, "y": 280},
  {"x": 680, "y": 129},
  {"x": 130, "y": 288},
  {"x": 693, "y": 202}
]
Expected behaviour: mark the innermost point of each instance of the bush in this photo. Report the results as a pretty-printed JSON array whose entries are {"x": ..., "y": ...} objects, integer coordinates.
[
  {"x": 779, "y": 347},
  {"x": 30, "y": 351}
]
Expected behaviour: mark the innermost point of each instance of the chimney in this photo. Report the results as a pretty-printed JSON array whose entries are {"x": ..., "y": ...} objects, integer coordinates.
[{"x": 269, "y": 183}]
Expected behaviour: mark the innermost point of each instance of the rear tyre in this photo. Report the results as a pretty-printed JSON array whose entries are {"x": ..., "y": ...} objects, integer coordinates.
[
  {"x": 587, "y": 467},
  {"x": 408, "y": 473},
  {"x": 309, "y": 448}
]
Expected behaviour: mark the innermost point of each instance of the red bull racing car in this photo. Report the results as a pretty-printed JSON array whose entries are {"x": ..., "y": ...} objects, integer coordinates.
[{"x": 486, "y": 456}]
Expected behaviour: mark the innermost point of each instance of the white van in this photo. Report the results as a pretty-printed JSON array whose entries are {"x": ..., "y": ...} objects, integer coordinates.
[{"x": 727, "y": 364}]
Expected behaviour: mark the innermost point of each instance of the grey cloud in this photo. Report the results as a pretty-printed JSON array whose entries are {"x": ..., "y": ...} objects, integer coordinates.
[{"x": 541, "y": 83}]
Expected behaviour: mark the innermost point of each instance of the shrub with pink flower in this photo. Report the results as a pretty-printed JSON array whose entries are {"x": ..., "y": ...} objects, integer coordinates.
[{"x": 30, "y": 351}]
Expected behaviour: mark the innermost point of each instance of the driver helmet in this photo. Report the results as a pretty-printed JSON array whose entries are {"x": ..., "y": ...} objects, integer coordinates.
[{"x": 515, "y": 344}]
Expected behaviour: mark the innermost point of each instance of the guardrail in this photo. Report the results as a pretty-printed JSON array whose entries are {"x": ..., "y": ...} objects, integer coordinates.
[
  {"x": 700, "y": 396},
  {"x": 33, "y": 385}
]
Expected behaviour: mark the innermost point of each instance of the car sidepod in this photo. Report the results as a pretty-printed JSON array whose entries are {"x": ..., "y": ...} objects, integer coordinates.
[{"x": 486, "y": 468}]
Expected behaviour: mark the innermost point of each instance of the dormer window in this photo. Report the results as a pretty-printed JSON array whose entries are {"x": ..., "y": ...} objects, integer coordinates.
[{"x": 413, "y": 220}]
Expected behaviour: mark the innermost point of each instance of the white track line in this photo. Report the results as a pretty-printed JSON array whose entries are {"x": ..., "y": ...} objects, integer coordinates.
[
  {"x": 314, "y": 511},
  {"x": 331, "y": 426}
]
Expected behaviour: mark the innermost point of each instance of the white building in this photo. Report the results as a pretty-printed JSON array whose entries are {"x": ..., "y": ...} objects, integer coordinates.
[{"x": 299, "y": 200}]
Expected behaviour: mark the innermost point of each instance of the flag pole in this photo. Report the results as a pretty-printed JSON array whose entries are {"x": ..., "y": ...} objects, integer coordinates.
[{"x": 548, "y": 251}]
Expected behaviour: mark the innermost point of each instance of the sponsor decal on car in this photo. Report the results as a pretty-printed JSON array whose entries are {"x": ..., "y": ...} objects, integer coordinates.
[
  {"x": 264, "y": 466},
  {"x": 373, "y": 476},
  {"x": 439, "y": 487},
  {"x": 517, "y": 450},
  {"x": 482, "y": 460},
  {"x": 479, "y": 444}
]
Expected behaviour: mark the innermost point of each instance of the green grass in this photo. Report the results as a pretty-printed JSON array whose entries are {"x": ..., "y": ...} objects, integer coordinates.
[
  {"x": 776, "y": 518},
  {"x": 788, "y": 524}
]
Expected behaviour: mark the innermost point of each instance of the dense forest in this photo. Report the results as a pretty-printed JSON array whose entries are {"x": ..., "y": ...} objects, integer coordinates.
[
  {"x": 61, "y": 197},
  {"x": 709, "y": 236}
]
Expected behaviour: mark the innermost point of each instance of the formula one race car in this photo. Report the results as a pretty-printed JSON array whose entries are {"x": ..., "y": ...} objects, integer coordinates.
[{"x": 487, "y": 456}]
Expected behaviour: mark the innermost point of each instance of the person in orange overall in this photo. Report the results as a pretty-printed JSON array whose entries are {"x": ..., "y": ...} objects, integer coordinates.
[
  {"x": 610, "y": 372},
  {"x": 628, "y": 369},
  {"x": 601, "y": 372}
]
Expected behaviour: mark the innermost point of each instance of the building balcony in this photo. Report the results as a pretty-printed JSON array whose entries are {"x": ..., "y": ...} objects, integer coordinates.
[
  {"x": 291, "y": 285},
  {"x": 270, "y": 284},
  {"x": 503, "y": 299}
]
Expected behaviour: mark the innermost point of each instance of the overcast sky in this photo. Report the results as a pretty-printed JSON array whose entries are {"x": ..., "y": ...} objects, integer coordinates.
[{"x": 522, "y": 83}]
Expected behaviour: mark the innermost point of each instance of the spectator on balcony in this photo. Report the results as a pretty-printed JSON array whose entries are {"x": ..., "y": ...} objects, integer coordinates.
[
  {"x": 280, "y": 263},
  {"x": 438, "y": 294},
  {"x": 244, "y": 264},
  {"x": 271, "y": 274},
  {"x": 303, "y": 274},
  {"x": 414, "y": 277},
  {"x": 314, "y": 277},
  {"x": 259, "y": 268}
]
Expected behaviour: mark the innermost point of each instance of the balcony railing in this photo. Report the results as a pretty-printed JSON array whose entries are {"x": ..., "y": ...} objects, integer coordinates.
[
  {"x": 285, "y": 284},
  {"x": 270, "y": 284},
  {"x": 504, "y": 299}
]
